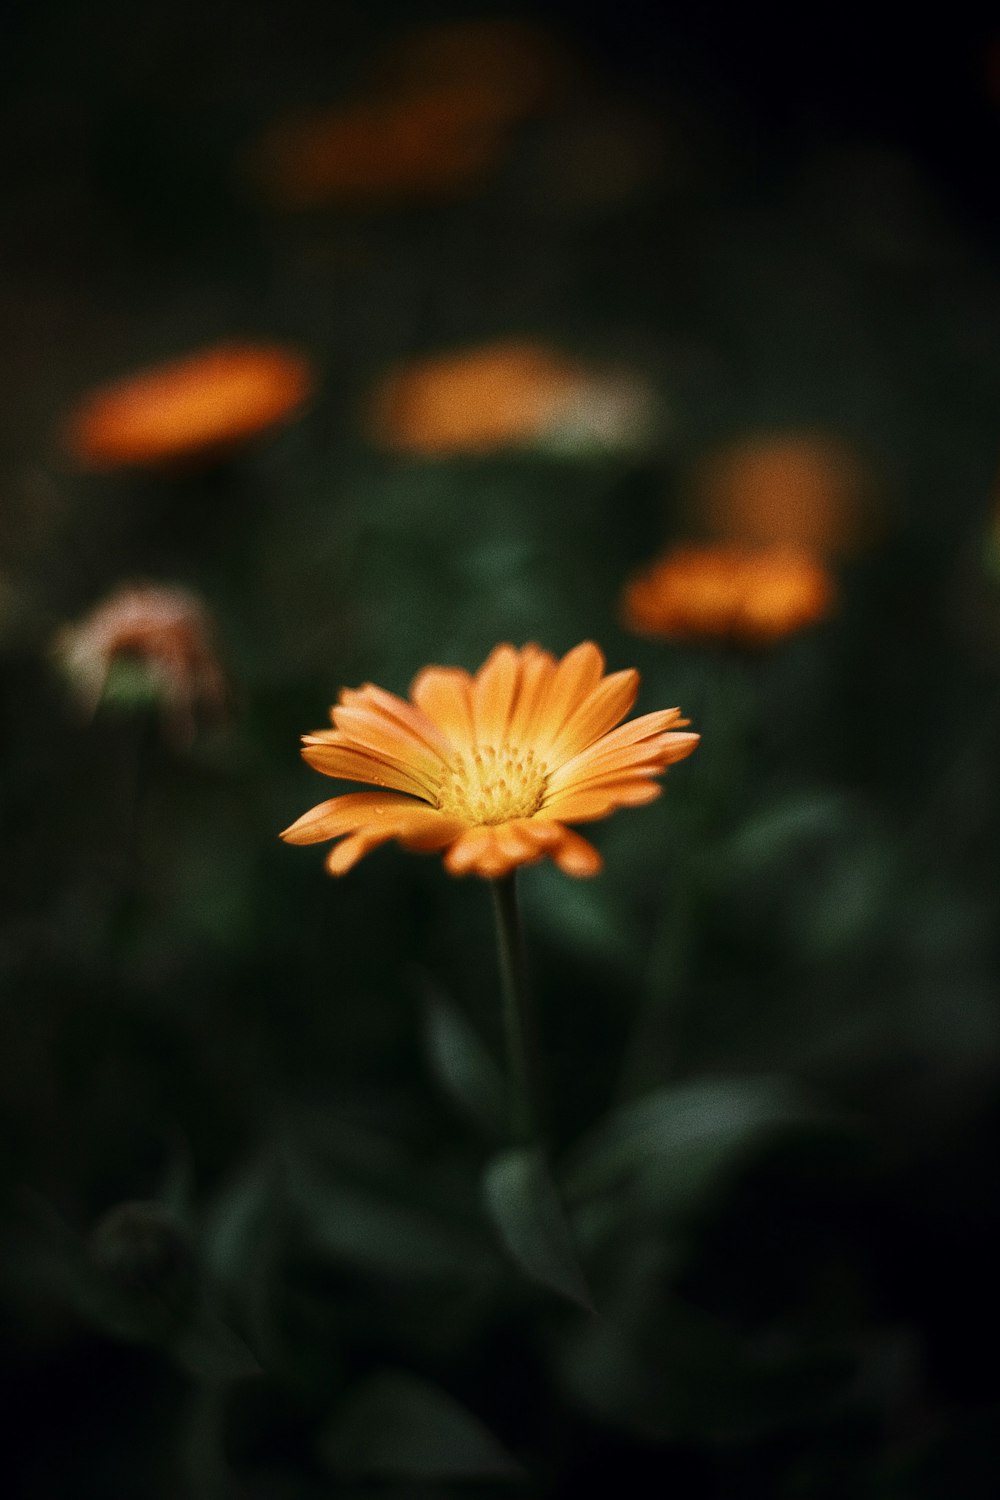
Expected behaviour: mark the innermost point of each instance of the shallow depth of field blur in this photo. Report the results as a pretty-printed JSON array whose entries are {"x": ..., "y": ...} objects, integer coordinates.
[{"x": 561, "y": 290}]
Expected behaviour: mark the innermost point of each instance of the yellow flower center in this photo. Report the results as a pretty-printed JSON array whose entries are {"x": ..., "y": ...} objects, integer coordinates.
[{"x": 493, "y": 785}]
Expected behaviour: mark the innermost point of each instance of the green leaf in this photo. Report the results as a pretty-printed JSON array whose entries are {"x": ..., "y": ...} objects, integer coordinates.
[
  {"x": 657, "y": 1365},
  {"x": 463, "y": 1065},
  {"x": 397, "y": 1426},
  {"x": 677, "y": 1139},
  {"x": 209, "y": 1349},
  {"x": 523, "y": 1203},
  {"x": 355, "y": 1223},
  {"x": 580, "y": 918},
  {"x": 242, "y": 1240},
  {"x": 782, "y": 828},
  {"x": 235, "y": 1222}
]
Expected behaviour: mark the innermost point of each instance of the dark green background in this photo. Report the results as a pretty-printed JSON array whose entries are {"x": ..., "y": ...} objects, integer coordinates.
[{"x": 244, "y": 1252}]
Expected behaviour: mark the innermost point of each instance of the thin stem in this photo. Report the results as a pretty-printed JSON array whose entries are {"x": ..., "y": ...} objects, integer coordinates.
[
  {"x": 138, "y": 747},
  {"x": 650, "y": 1054},
  {"x": 518, "y": 1017},
  {"x": 649, "y": 1057}
]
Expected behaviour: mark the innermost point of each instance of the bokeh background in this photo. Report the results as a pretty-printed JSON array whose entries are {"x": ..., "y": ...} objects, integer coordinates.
[{"x": 694, "y": 277}]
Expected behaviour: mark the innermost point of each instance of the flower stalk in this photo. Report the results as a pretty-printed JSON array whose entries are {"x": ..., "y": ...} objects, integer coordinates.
[{"x": 518, "y": 1017}]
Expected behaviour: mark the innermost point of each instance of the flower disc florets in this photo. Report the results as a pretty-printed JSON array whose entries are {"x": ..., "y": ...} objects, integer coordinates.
[{"x": 493, "y": 785}]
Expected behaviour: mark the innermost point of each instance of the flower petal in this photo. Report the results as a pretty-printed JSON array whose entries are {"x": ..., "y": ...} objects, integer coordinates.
[
  {"x": 514, "y": 842},
  {"x": 345, "y": 855},
  {"x": 575, "y": 677},
  {"x": 538, "y": 668},
  {"x": 575, "y": 856},
  {"x": 646, "y": 726},
  {"x": 369, "y": 730},
  {"x": 443, "y": 694},
  {"x": 599, "y": 712},
  {"x": 650, "y": 756},
  {"x": 355, "y": 764},
  {"x": 468, "y": 850},
  {"x": 342, "y": 815},
  {"x": 426, "y": 829},
  {"x": 493, "y": 850},
  {"x": 600, "y": 775},
  {"x": 592, "y": 802},
  {"x": 679, "y": 747},
  {"x": 417, "y": 827},
  {"x": 404, "y": 716},
  {"x": 543, "y": 831},
  {"x": 494, "y": 688}
]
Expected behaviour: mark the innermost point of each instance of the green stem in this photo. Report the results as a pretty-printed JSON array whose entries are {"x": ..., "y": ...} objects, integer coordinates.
[
  {"x": 649, "y": 1057},
  {"x": 139, "y": 743},
  {"x": 518, "y": 1017},
  {"x": 732, "y": 697}
]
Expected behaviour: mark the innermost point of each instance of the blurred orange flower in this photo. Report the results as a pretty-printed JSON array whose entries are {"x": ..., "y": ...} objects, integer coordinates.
[
  {"x": 752, "y": 596},
  {"x": 491, "y": 766},
  {"x": 168, "y": 632},
  {"x": 436, "y": 115},
  {"x": 495, "y": 396},
  {"x": 377, "y": 150},
  {"x": 203, "y": 404},
  {"x": 510, "y": 65},
  {"x": 801, "y": 489}
]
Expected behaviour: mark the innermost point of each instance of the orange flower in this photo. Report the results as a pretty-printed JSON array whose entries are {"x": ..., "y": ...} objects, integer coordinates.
[
  {"x": 492, "y": 766},
  {"x": 509, "y": 66},
  {"x": 435, "y": 113},
  {"x": 382, "y": 150},
  {"x": 498, "y": 395},
  {"x": 796, "y": 489},
  {"x": 205, "y": 403},
  {"x": 754, "y": 597}
]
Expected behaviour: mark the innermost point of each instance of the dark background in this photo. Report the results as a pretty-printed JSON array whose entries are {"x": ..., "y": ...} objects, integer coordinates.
[{"x": 794, "y": 1263}]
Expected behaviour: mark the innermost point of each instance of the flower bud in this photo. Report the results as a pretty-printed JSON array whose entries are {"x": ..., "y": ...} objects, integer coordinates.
[{"x": 142, "y": 1248}]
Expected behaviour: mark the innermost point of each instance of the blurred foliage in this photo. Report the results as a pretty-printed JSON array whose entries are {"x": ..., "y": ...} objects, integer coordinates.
[{"x": 263, "y": 1237}]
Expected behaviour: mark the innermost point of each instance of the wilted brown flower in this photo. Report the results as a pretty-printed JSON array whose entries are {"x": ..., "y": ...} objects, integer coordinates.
[
  {"x": 799, "y": 489},
  {"x": 164, "y": 630},
  {"x": 609, "y": 409},
  {"x": 471, "y": 401},
  {"x": 753, "y": 597},
  {"x": 203, "y": 404}
]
